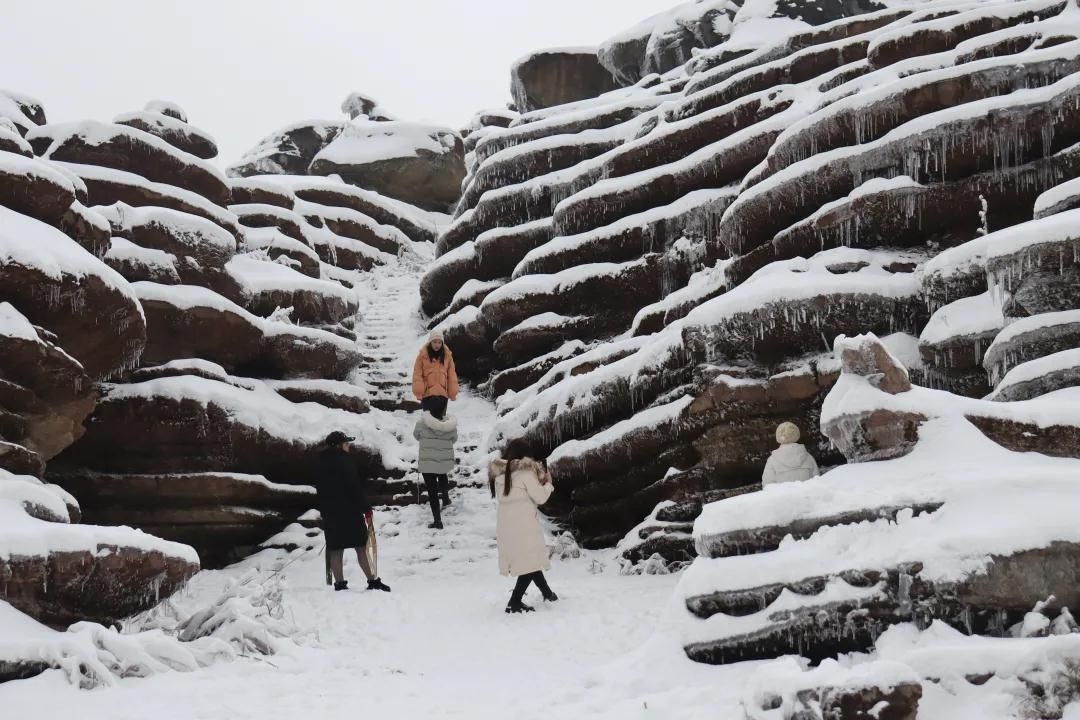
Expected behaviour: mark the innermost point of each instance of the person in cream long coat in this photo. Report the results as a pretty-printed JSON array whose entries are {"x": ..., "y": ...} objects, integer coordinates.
[{"x": 520, "y": 485}]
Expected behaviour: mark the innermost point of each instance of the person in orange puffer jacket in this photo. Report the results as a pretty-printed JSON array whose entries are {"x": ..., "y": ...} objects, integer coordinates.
[{"x": 435, "y": 381}]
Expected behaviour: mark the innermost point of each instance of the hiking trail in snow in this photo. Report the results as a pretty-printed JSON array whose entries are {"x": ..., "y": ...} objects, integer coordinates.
[{"x": 439, "y": 645}]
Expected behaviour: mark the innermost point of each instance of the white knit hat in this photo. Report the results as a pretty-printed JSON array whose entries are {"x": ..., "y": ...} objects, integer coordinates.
[
  {"x": 787, "y": 433},
  {"x": 436, "y": 335}
]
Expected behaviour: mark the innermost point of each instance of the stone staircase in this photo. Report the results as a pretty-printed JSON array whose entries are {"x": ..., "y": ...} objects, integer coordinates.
[{"x": 389, "y": 334}]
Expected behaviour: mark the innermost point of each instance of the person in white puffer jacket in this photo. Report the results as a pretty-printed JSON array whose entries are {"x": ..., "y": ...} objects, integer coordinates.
[{"x": 790, "y": 462}]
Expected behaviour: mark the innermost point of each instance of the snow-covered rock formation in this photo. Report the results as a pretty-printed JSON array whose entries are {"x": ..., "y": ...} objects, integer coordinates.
[
  {"x": 174, "y": 344},
  {"x": 419, "y": 164},
  {"x": 650, "y": 281}
]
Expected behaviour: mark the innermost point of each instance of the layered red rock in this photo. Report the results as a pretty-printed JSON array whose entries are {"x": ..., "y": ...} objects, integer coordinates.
[
  {"x": 223, "y": 516},
  {"x": 421, "y": 165},
  {"x": 214, "y": 426},
  {"x": 127, "y": 149},
  {"x": 88, "y": 307},
  {"x": 60, "y": 573},
  {"x": 288, "y": 151},
  {"x": 556, "y": 77}
]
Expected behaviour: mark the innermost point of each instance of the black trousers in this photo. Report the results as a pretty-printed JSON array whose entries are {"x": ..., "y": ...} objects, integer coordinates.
[
  {"x": 436, "y": 405},
  {"x": 537, "y": 578},
  {"x": 437, "y": 486}
]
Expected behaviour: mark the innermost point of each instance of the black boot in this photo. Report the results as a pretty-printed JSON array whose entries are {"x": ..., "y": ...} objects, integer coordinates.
[
  {"x": 377, "y": 584},
  {"x": 518, "y": 607},
  {"x": 342, "y": 585},
  {"x": 445, "y": 499},
  {"x": 437, "y": 525},
  {"x": 541, "y": 583}
]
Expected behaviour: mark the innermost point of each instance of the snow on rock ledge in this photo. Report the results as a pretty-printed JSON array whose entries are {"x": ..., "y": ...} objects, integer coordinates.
[
  {"x": 59, "y": 573},
  {"x": 419, "y": 164}
]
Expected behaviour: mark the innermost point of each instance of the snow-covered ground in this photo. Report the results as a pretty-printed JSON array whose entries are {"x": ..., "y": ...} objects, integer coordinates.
[{"x": 438, "y": 646}]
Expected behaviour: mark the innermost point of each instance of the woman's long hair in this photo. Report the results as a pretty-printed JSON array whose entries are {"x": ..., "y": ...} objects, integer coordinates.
[
  {"x": 515, "y": 451},
  {"x": 434, "y": 356}
]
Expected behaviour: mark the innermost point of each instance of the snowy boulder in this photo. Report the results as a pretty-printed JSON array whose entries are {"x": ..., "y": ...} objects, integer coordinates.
[
  {"x": 37, "y": 189},
  {"x": 23, "y": 111},
  {"x": 285, "y": 249},
  {"x": 261, "y": 215},
  {"x": 185, "y": 321},
  {"x": 177, "y": 133},
  {"x": 200, "y": 247},
  {"x": 345, "y": 252},
  {"x": 288, "y": 151},
  {"x": 127, "y": 149},
  {"x": 790, "y": 307},
  {"x": 267, "y": 286},
  {"x": 1038, "y": 263},
  {"x": 19, "y": 460},
  {"x": 11, "y": 140},
  {"x": 541, "y": 334},
  {"x": 1040, "y": 376},
  {"x": 61, "y": 573},
  {"x": 45, "y": 393},
  {"x": 557, "y": 76},
  {"x": 467, "y": 332},
  {"x": 224, "y": 516},
  {"x": 472, "y": 292},
  {"x": 194, "y": 322},
  {"x": 1059, "y": 198},
  {"x": 419, "y": 164},
  {"x": 866, "y": 418},
  {"x": 355, "y": 225},
  {"x": 613, "y": 291},
  {"x": 359, "y": 105},
  {"x": 871, "y": 433},
  {"x": 519, "y": 377},
  {"x": 955, "y": 338},
  {"x": 665, "y": 41},
  {"x": 329, "y": 393},
  {"x": 1030, "y": 339},
  {"x": 383, "y": 210},
  {"x": 260, "y": 191},
  {"x": 214, "y": 426},
  {"x": 59, "y": 286},
  {"x": 139, "y": 264},
  {"x": 106, "y": 186},
  {"x": 445, "y": 276},
  {"x": 166, "y": 108}
]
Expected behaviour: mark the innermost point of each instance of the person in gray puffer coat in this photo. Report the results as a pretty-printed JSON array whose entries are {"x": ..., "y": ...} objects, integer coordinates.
[{"x": 437, "y": 435}]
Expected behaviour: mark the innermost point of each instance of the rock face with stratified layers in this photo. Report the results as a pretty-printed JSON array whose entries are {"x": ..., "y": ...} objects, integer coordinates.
[
  {"x": 203, "y": 328},
  {"x": 650, "y": 280}
]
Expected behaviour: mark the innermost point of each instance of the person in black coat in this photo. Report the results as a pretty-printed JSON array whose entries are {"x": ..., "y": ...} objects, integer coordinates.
[{"x": 344, "y": 507}]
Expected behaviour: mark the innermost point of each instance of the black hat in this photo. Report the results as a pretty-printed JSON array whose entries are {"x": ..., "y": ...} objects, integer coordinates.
[{"x": 337, "y": 437}]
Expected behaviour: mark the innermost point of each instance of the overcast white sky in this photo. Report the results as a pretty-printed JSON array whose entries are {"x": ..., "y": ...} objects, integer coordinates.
[{"x": 242, "y": 68}]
